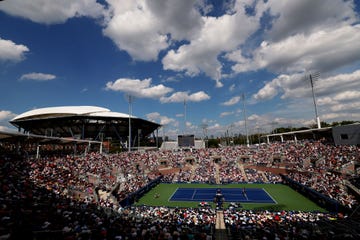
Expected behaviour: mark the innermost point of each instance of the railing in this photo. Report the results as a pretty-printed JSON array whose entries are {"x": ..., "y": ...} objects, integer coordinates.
[
  {"x": 323, "y": 201},
  {"x": 132, "y": 197}
]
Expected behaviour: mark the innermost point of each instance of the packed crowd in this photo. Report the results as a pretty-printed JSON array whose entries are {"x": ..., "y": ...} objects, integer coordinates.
[
  {"x": 31, "y": 211},
  {"x": 127, "y": 172},
  {"x": 61, "y": 194},
  {"x": 230, "y": 172},
  {"x": 328, "y": 184},
  {"x": 264, "y": 224}
]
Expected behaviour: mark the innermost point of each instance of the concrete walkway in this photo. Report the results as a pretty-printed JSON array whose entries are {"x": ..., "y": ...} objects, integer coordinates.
[
  {"x": 220, "y": 228},
  {"x": 241, "y": 167}
]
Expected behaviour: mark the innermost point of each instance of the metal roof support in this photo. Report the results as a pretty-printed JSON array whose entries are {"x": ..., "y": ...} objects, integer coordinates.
[
  {"x": 101, "y": 130},
  {"x": 157, "y": 137},
  {"x": 37, "y": 151},
  {"x": 75, "y": 148},
  {"x": 117, "y": 132},
  {"x": 101, "y": 148},
  {"x": 71, "y": 132},
  {"x": 83, "y": 131}
]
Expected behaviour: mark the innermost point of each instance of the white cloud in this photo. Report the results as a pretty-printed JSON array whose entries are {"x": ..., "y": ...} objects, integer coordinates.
[
  {"x": 134, "y": 29},
  {"x": 6, "y": 115},
  {"x": 179, "y": 18},
  {"x": 324, "y": 50},
  {"x": 336, "y": 116},
  {"x": 10, "y": 51},
  {"x": 51, "y": 12},
  {"x": 268, "y": 122},
  {"x": 216, "y": 129},
  {"x": 267, "y": 92},
  {"x": 298, "y": 86},
  {"x": 224, "y": 114},
  {"x": 338, "y": 84},
  {"x": 347, "y": 95},
  {"x": 333, "y": 97},
  {"x": 232, "y": 101},
  {"x": 164, "y": 120},
  {"x": 144, "y": 89},
  {"x": 345, "y": 106},
  {"x": 175, "y": 78},
  {"x": 254, "y": 117},
  {"x": 281, "y": 83},
  {"x": 326, "y": 101},
  {"x": 189, "y": 125},
  {"x": 138, "y": 88},
  {"x": 292, "y": 17},
  {"x": 178, "y": 97},
  {"x": 263, "y": 123},
  {"x": 232, "y": 88},
  {"x": 201, "y": 54},
  {"x": 302, "y": 35},
  {"x": 144, "y": 28},
  {"x": 38, "y": 76},
  {"x": 6, "y": 129}
]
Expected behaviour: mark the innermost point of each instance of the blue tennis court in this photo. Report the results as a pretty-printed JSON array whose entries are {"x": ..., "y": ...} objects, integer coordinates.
[{"x": 250, "y": 195}]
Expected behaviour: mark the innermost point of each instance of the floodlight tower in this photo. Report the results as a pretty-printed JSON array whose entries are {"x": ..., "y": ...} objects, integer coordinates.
[
  {"x": 184, "y": 116},
  {"x": 312, "y": 78},
  {"x": 130, "y": 100},
  {"x": 204, "y": 127},
  {"x": 274, "y": 126},
  {"x": 245, "y": 118}
]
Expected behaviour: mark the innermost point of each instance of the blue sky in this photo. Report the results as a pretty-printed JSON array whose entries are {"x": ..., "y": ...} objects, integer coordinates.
[{"x": 162, "y": 52}]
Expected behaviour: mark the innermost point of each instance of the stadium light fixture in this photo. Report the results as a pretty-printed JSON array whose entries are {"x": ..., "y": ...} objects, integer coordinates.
[
  {"x": 245, "y": 118},
  {"x": 204, "y": 127},
  {"x": 312, "y": 78},
  {"x": 184, "y": 132},
  {"x": 274, "y": 126},
  {"x": 130, "y": 99}
]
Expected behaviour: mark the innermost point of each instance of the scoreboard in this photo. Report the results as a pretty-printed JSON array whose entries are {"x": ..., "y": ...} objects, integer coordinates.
[{"x": 186, "y": 140}]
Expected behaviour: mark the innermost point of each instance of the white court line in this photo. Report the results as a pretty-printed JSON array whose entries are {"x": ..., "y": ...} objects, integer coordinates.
[
  {"x": 192, "y": 197},
  {"x": 270, "y": 196},
  {"x": 173, "y": 194}
]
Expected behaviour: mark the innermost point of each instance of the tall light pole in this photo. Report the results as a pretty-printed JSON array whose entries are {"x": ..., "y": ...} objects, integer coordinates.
[
  {"x": 312, "y": 78},
  {"x": 204, "y": 127},
  {"x": 130, "y": 100},
  {"x": 274, "y": 126},
  {"x": 184, "y": 117},
  {"x": 138, "y": 136},
  {"x": 245, "y": 118},
  {"x": 258, "y": 132},
  {"x": 163, "y": 130}
]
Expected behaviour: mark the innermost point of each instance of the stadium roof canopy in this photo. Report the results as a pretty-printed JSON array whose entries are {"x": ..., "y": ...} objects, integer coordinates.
[
  {"x": 313, "y": 131},
  {"x": 82, "y": 122},
  {"x": 15, "y": 137}
]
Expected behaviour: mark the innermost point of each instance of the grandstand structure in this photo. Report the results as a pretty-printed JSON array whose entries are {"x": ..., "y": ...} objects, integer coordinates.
[
  {"x": 314, "y": 133},
  {"x": 183, "y": 142},
  {"x": 85, "y": 123},
  {"x": 103, "y": 194},
  {"x": 339, "y": 135},
  {"x": 174, "y": 145}
]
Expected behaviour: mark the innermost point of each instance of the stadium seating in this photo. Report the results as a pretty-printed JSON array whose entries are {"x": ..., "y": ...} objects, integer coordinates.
[{"x": 69, "y": 197}]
